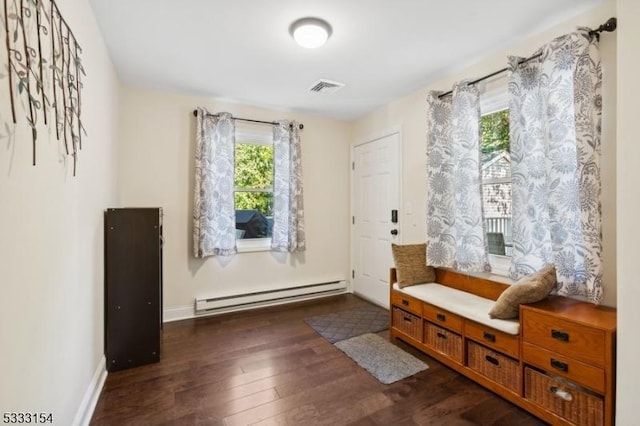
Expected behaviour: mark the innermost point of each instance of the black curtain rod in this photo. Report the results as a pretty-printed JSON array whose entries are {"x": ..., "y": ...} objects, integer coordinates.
[
  {"x": 608, "y": 26},
  {"x": 273, "y": 123}
]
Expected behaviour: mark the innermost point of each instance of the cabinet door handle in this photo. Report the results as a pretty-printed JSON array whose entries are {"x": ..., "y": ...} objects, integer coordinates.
[
  {"x": 560, "y": 335},
  {"x": 407, "y": 319},
  {"x": 441, "y": 335},
  {"x": 405, "y": 302},
  {"x": 441, "y": 317},
  {"x": 489, "y": 336},
  {"x": 559, "y": 365},
  {"x": 563, "y": 394},
  {"x": 492, "y": 360}
]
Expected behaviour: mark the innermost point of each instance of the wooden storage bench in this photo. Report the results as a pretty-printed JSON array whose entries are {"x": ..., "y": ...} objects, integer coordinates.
[{"x": 557, "y": 361}]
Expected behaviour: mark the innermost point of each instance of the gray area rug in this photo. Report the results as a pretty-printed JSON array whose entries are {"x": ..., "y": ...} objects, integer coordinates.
[
  {"x": 354, "y": 322},
  {"x": 382, "y": 359}
]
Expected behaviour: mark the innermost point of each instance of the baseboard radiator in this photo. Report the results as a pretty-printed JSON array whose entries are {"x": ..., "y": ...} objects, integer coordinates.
[{"x": 244, "y": 301}]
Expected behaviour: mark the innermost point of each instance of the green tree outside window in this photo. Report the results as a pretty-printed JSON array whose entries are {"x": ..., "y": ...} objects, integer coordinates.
[
  {"x": 495, "y": 131},
  {"x": 254, "y": 174}
]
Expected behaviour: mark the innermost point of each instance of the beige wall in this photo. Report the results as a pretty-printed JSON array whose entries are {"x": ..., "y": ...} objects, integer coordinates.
[
  {"x": 628, "y": 208},
  {"x": 157, "y": 160},
  {"x": 410, "y": 113},
  {"x": 51, "y": 315}
]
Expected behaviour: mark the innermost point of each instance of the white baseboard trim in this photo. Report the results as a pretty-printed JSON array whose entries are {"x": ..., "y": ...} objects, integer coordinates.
[
  {"x": 178, "y": 313},
  {"x": 266, "y": 304},
  {"x": 88, "y": 404},
  {"x": 187, "y": 312}
]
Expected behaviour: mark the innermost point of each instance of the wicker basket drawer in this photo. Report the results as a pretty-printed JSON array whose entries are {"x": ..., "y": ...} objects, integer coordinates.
[
  {"x": 563, "y": 398},
  {"x": 443, "y": 341},
  {"x": 407, "y": 323},
  {"x": 497, "y": 367}
]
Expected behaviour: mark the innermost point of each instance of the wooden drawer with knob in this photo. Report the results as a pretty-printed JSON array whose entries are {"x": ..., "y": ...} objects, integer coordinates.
[
  {"x": 406, "y": 303},
  {"x": 502, "y": 342},
  {"x": 558, "y": 364},
  {"x": 443, "y": 318}
]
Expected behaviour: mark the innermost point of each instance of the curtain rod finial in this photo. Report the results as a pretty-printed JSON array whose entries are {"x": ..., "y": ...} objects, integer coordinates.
[{"x": 610, "y": 25}]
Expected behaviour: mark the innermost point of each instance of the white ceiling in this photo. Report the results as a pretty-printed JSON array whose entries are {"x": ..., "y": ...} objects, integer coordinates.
[{"x": 241, "y": 50}]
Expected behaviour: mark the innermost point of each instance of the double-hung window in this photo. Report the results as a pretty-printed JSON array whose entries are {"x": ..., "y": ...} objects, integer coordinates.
[
  {"x": 496, "y": 178},
  {"x": 253, "y": 186}
]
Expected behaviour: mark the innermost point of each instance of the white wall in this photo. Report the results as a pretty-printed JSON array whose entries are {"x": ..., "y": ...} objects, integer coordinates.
[
  {"x": 628, "y": 208},
  {"x": 157, "y": 158},
  {"x": 51, "y": 315},
  {"x": 410, "y": 112}
]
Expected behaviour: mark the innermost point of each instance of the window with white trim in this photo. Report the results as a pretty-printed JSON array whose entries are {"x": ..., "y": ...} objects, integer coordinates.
[
  {"x": 496, "y": 178},
  {"x": 253, "y": 181}
]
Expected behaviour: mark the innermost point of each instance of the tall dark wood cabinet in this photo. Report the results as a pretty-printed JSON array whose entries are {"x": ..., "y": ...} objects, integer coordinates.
[{"x": 133, "y": 286}]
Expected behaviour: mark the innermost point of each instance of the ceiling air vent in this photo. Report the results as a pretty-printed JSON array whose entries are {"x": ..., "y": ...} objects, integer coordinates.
[{"x": 326, "y": 86}]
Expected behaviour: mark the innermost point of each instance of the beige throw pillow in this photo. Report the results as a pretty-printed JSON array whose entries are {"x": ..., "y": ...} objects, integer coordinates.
[
  {"x": 529, "y": 289},
  {"x": 411, "y": 264}
]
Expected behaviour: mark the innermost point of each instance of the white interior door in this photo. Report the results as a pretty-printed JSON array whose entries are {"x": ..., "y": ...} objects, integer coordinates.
[{"x": 376, "y": 193}]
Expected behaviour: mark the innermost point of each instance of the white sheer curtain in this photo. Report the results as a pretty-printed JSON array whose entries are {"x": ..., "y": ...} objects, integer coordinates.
[
  {"x": 455, "y": 225},
  {"x": 288, "y": 209},
  {"x": 214, "y": 219},
  {"x": 555, "y": 112}
]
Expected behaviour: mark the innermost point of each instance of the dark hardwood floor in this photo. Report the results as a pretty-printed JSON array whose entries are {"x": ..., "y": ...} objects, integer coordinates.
[{"x": 268, "y": 367}]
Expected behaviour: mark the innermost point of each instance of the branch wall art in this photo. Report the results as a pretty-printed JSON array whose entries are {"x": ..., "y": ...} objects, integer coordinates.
[{"x": 41, "y": 73}]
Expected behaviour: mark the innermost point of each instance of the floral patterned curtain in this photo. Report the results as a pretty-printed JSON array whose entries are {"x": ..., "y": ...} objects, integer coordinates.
[
  {"x": 288, "y": 210},
  {"x": 455, "y": 225},
  {"x": 214, "y": 218},
  {"x": 555, "y": 115}
]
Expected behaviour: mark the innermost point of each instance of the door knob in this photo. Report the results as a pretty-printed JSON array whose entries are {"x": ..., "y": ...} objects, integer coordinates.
[{"x": 394, "y": 232}]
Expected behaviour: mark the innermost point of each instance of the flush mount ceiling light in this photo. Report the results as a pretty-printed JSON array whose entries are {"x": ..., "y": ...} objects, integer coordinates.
[{"x": 310, "y": 32}]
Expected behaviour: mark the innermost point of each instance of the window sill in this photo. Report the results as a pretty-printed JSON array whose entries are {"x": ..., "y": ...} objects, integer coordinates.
[
  {"x": 500, "y": 267},
  {"x": 254, "y": 245},
  {"x": 501, "y": 276}
]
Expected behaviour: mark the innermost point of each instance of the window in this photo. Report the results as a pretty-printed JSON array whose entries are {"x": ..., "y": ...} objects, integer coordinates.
[
  {"x": 496, "y": 178},
  {"x": 253, "y": 181}
]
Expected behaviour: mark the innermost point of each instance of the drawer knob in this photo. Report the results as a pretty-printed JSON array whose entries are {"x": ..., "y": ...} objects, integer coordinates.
[
  {"x": 441, "y": 335},
  {"x": 559, "y": 365},
  {"x": 405, "y": 302},
  {"x": 492, "y": 360},
  {"x": 561, "y": 393},
  {"x": 489, "y": 336},
  {"x": 560, "y": 335},
  {"x": 441, "y": 317}
]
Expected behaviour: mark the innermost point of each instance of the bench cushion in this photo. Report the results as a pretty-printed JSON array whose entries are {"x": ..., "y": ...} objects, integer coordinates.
[{"x": 465, "y": 304}]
